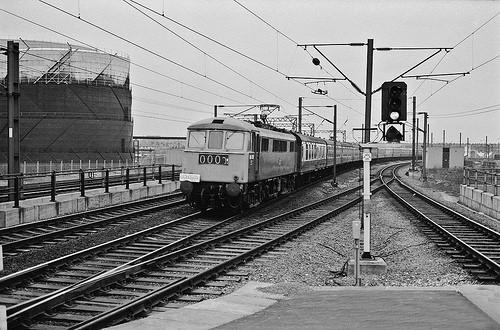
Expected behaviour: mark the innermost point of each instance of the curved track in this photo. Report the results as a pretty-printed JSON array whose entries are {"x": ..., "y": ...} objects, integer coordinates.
[
  {"x": 475, "y": 246},
  {"x": 162, "y": 274}
]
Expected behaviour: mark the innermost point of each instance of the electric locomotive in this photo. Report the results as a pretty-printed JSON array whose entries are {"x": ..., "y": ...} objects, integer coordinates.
[{"x": 232, "y": 163}]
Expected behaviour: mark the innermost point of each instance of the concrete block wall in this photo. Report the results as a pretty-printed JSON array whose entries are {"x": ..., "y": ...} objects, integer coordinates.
[
  {"x": 42, "y": 208},
  {"x": 480, "y": 201}
]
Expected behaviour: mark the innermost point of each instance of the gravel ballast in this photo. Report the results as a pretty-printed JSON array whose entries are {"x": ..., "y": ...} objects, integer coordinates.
[{"x": 318, "y": 257}]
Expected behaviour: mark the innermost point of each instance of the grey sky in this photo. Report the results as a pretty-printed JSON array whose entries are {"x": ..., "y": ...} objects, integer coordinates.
[{"x": 389, "y": 23}]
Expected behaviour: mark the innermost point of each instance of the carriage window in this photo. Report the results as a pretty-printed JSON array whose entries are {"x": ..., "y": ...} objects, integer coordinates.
[
  {"x": 292, "y": 147},
  {"x": 265, "y": 145},
  {"x": 234, "y": 141},
  {"x": 215, "y": 140},
  {"x": 196, "y": 139}
]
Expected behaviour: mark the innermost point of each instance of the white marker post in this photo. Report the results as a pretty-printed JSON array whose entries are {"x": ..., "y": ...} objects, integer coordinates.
[
  {"x": 3, "y": 309},
  {"x": 367, "y": 157}
]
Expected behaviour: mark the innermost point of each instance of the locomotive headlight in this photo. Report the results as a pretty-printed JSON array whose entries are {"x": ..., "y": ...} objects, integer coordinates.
[
  {"x": 394, "y": 115},
  {"x": 236, "y": 178}
]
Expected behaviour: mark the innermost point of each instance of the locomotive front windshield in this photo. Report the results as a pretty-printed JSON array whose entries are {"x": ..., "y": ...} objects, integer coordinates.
[
  {"x": 216, "y": 140},
  {"x": 196, "y": 139}
]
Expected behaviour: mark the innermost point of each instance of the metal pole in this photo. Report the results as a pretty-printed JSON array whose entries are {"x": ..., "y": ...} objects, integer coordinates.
[
  {"x": 414, "y": 131},
  {"x": 82, "y": 183},
  {"x": 13, "y": 111},
  {"x": 424, "y": 159},
  {"x": 127, "y": 178},
  {"x": 444, "y": 137},
  {"x": 144, "y": 177},
  {"x": 335, "y": 145},
  {"x": 467, "y": 149},
  {"x": 486, "y": 147},
  {"x": 299, "y": 129},
  {"x": 53, "y": 186},
  {"x": 368, "y": 98},
  {"x": 417, "y": 139},
  {"x": 106, "y": 182},
  {"x": 432, "y": 138},
  {"x": 159, "y": 174},
  {"x": 16, "y": 192},
  {"x": 173, "y": 172},
  {"x": 460, "y": 140},
  {"x": 428, "y": 137}
]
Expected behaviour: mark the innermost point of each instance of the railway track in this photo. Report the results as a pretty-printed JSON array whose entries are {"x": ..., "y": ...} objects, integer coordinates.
[
  {"x": 107, "y": 291},
  {"x": 475, "y": 246},
  {"x": 35, "y": 235}
]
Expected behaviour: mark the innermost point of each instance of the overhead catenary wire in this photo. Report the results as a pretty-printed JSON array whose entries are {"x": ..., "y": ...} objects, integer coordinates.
[
  {"x": 114, "y": 55},
  {"x": 133, "y": 84},
  {"x": 240, "y": 53},
  {"x": 296, "y": 43},
  {"x": 204, "y": 52},
  {"x": 195, "y": 72},
  {"x": 453, "y": 80},
  {"x": 446, "y": 53}
]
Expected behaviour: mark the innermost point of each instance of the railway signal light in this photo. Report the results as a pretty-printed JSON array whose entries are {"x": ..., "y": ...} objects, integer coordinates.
[{"x": 393, "y": 101}]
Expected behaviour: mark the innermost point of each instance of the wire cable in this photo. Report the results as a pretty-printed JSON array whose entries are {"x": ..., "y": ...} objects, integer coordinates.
[
  {"x": 114, "y": 55},
  {"x": 204, "y": 52},
  {"x": 149, "y": 50},
  {"x": 237, "y": 51}
]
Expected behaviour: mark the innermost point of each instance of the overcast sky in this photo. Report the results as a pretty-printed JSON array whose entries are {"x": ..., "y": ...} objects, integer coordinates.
[{"x": 468, "y": 103}]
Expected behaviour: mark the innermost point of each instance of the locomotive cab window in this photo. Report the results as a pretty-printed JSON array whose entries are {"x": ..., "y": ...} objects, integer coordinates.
[
  {"x": 265, "y": 145},
  {"x": 215, "y": 139},
  {"x": 196, "y": 139},
  {"x": 234, "y": 140}
]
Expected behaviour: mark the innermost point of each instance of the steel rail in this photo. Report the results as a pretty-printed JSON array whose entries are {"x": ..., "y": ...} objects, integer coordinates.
[
  {"x": 180, "y": 285},
  {"x": 60, "y": 233},
  {"x": 453, "y": 239}
]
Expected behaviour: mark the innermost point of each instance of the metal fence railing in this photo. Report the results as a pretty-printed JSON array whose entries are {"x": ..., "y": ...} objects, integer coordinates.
[
  {"x": 16, "y": 187},
  {"x": 484, "y": 179}
]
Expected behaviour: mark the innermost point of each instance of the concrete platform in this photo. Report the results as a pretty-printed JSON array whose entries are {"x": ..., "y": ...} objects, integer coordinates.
[
  {"x": 462, "y": 307},
  {"x": 36, "y": 209}
]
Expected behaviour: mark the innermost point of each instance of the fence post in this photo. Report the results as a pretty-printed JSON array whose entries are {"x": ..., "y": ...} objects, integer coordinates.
[
  {"x": 16, "y": 192},
  {"x": 82, "y": 183},
  {"x": 127, "y": 178},
  {"x": 485, "y": 184},
  {"x": 173, "y": 172},
  {"x": 53, "y": 186},
  {"x": 496, "y": 185},
  {"x": 144, "y": 177},
  {"x": 106, "y": 182},
  {"x": 475, "y": 179},
  {"x": 159, "y": 174}
]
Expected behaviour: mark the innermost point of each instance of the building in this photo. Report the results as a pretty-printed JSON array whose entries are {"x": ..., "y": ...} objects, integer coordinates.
[
  {"x": 445, "y": 156},
  {"x": 75, "y": 104}
]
